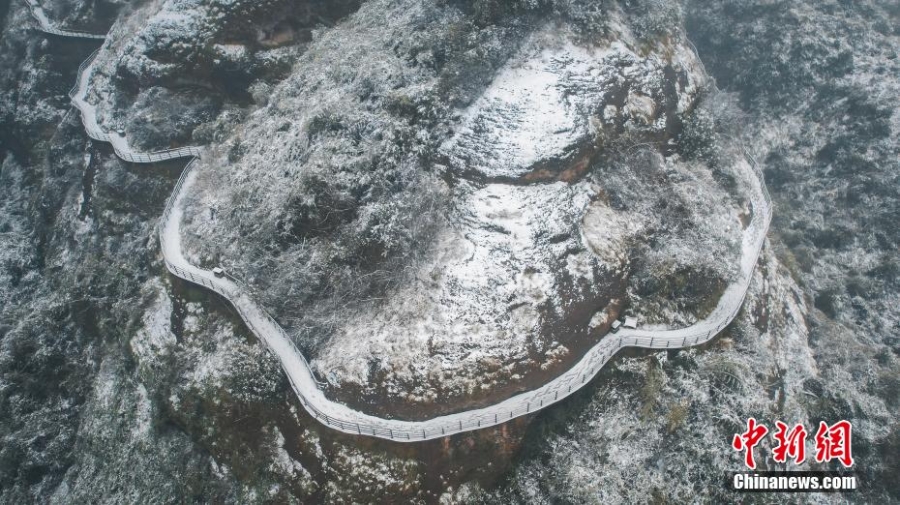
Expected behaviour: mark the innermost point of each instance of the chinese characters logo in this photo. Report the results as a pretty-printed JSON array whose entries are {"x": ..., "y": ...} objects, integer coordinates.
[{"x": 833, "y": 442}]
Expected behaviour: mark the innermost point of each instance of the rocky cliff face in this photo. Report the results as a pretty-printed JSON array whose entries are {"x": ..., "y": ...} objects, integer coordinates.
[
  {"x": 427, "y": 235},
  {"x": 445, "y": 202},
  {"x": 178, "y": 73}
]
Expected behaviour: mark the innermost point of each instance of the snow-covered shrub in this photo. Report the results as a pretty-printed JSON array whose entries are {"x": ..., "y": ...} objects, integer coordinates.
[{"x": 654, "y": 18}]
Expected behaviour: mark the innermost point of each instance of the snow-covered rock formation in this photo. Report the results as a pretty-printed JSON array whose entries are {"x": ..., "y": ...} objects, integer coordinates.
[
  {"x": 425, "y": 240},
  {"x": 119, "y": 383}
]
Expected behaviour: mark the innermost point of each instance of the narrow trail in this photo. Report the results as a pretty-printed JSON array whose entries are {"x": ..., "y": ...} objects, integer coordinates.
[{"x": 343, "y": 418}]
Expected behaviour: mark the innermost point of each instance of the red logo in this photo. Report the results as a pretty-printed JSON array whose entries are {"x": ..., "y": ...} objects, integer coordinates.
[
  {"x": 747, "y": 441},
  {"x": 790, "y": 444},
  {"x": 832, "y": 442}
]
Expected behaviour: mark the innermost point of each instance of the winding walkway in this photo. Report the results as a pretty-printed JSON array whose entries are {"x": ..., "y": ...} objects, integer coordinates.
[{"x": 343, "y": 418}]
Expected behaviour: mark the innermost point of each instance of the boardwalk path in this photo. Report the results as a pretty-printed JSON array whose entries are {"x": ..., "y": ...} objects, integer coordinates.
[{"x": 343, "y": 418}]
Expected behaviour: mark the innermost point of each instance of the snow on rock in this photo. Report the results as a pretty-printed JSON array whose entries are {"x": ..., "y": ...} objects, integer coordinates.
[
  {"x": 555, "y": 96},
  {"x": 525, "y": 115},
  {"x": 285, "y": 463},
  {"x": 484, "y": 296},
  {"x": 607, "y": 232},
  {"x": 517, "y": 273},
  {"x": 156, "y": 337}
]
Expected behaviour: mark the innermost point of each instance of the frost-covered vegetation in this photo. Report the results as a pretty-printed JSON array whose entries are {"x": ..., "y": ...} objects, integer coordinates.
[{"x": 121, "y": 384}]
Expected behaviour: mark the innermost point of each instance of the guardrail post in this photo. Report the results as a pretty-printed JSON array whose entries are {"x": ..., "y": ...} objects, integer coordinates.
[
  {"x": 392, "y": 433},
  {"x": 651, "y": 341},
  {"x": 357, "y": 429},
  {"x": 683, "y": 339}
]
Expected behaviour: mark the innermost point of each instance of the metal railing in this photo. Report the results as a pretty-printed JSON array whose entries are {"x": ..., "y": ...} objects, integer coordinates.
[{"x": 78, "y": 96}]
